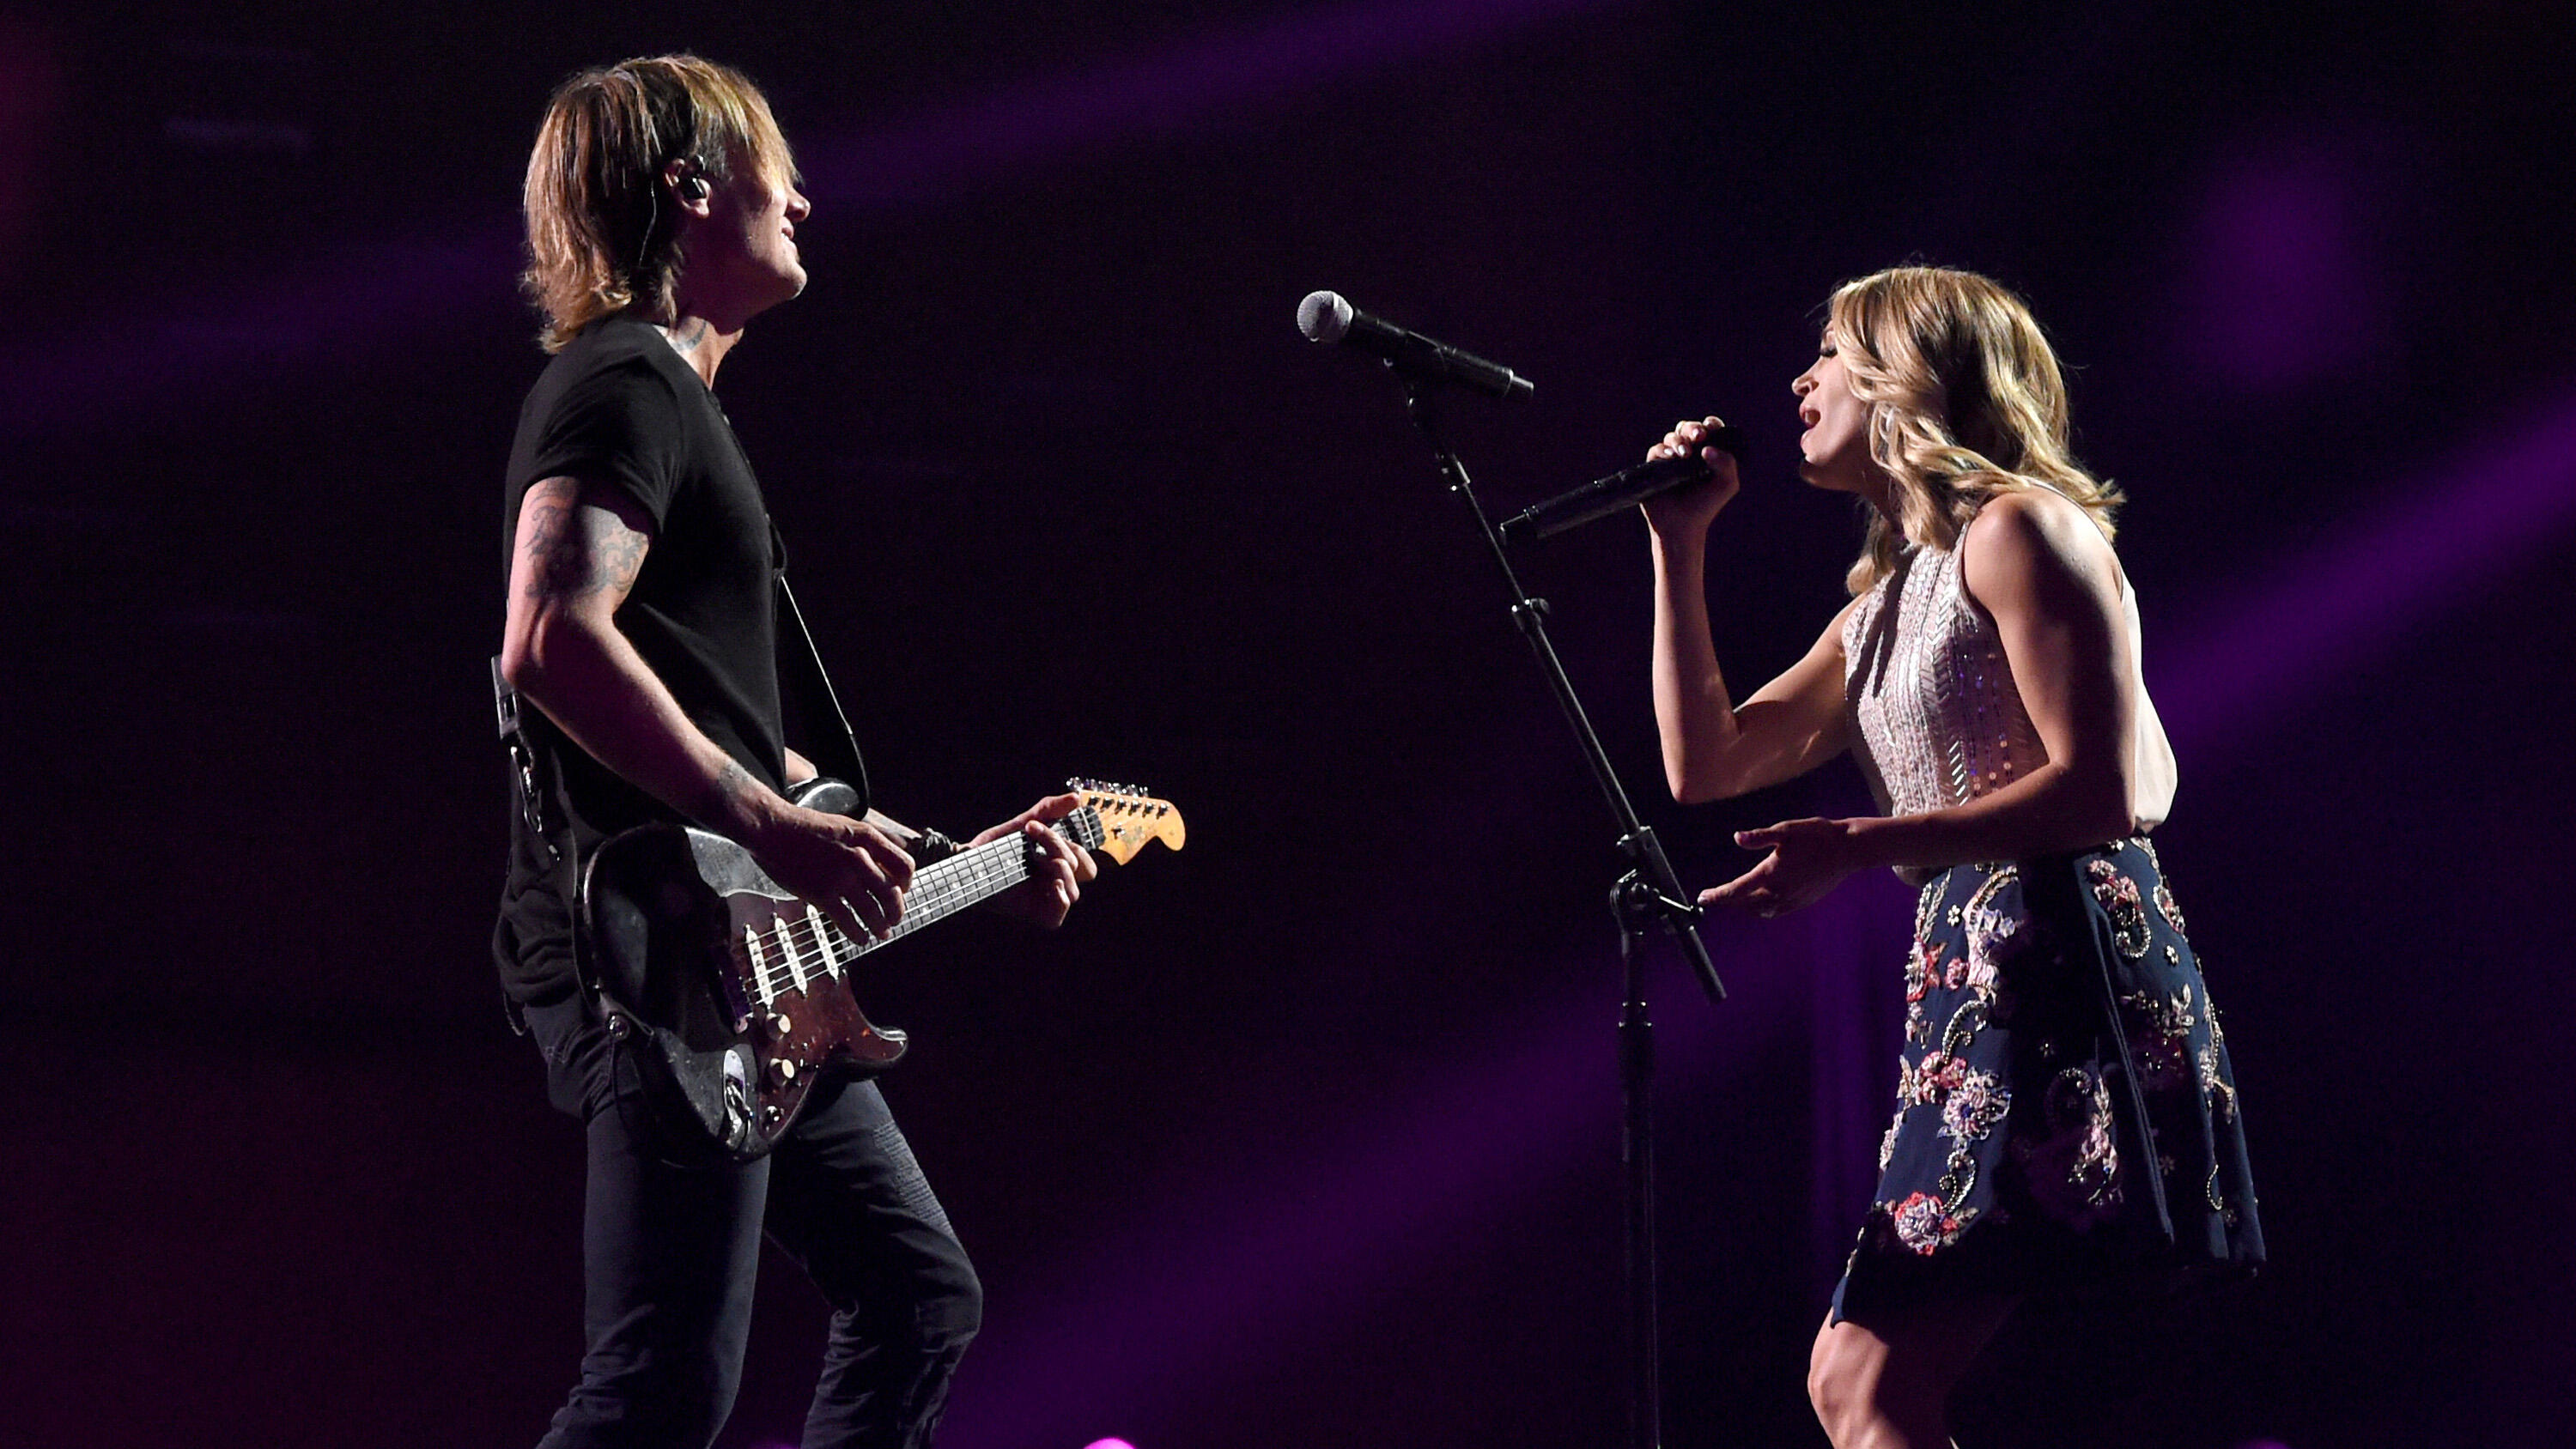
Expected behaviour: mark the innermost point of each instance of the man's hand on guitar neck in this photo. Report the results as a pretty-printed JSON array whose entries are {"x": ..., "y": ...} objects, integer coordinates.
[
  {"x": 1055, "y": 881},
  {"x": 850, "y": 868}
]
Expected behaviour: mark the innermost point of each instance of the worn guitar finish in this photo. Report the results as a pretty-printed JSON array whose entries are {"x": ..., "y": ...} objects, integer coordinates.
[{"x": 737, "y": 994}]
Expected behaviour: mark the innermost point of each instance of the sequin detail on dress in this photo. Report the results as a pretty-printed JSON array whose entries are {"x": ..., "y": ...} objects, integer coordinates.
[{"x": 1940, "y": 721}]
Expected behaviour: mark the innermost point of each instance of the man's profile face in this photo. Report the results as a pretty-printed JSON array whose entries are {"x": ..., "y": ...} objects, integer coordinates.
[{"x": 745, "y": 246}]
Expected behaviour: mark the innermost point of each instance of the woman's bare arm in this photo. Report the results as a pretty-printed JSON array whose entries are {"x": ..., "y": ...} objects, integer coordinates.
[
  {"x": 1714, "y": 748},
  {"x": 2046, "y": 575}
]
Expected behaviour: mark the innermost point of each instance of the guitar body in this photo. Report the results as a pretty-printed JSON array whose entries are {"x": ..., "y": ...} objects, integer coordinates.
[
  {"x": 734, "y": 995},
  {"x": 668, "y": 908}
]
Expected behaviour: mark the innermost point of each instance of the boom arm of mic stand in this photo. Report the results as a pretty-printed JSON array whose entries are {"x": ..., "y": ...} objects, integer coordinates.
[{"x": 1645, "y": 854}]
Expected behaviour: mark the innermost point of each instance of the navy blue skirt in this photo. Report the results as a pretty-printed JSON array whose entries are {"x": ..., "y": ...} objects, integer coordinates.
[{"x": 2066, "y": 1116}]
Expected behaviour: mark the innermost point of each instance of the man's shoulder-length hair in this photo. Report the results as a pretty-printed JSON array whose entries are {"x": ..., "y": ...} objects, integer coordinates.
[{"x": 603, "y": 233}]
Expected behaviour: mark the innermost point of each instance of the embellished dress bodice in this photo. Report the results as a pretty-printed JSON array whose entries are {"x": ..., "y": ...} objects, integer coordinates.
[{"x": 1938, "y": 720}]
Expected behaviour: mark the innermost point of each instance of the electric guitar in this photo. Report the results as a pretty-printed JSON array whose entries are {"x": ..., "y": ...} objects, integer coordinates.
[{"x": 737, "y": 994}]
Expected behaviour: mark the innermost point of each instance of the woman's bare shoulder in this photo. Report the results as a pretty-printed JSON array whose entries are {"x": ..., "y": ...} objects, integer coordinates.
[{"x": 2036, "y": 540}]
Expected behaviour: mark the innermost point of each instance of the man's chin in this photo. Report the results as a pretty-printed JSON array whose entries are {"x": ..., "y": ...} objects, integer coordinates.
[{"x": 788, "y": 289}]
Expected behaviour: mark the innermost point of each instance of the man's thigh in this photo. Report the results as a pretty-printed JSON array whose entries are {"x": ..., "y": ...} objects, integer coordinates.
[{"x": 848, "y": 1201}]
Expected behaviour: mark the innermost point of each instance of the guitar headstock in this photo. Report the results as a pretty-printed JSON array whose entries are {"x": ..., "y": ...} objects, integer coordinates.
[{"x": 1128, "y": 818}]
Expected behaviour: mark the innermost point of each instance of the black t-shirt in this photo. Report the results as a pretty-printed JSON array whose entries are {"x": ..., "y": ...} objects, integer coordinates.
[{"x": 618, "y": 407}]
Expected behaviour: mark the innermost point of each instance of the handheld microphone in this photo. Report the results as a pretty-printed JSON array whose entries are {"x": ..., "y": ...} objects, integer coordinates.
[
  {"x": 1325, "y": 317},
  {"x": 1628, "y": 486}
]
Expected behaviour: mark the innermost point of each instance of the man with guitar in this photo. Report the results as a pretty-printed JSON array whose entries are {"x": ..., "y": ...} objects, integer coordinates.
[{"x": 643, "y": 624}]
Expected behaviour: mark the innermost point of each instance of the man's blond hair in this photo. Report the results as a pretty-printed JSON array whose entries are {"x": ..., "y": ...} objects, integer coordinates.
[{"x": 603, "y": 234}]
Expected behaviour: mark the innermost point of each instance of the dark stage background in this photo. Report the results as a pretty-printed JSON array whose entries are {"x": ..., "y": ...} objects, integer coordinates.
[{"x": 1305, "y": 1135}]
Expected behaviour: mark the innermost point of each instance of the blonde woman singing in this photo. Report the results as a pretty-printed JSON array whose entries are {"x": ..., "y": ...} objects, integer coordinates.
[{"x": 2066, "y": 1115}]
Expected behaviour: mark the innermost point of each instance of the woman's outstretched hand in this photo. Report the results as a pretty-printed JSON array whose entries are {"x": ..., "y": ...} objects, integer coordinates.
[
  {"x": 1691, "y": 510},
  {"x": 1807, "y": 859}
]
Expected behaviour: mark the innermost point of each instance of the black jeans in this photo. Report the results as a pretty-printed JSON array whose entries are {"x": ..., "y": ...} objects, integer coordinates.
[{"x": 670, "y": 1253}]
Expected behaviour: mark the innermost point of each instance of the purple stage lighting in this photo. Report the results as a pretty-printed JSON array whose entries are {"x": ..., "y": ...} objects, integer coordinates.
[
  {"x": 1258, "y": 1254},
  {"x": 934, "y": 152},
  {"x": 372, "y": 294},
  {"x": 2282, "y": 289},
  {"x": 2312, "y": 622}
]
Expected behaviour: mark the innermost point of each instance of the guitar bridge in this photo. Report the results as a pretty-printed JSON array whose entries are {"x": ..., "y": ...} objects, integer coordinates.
[{"x": 728, "y": 971}]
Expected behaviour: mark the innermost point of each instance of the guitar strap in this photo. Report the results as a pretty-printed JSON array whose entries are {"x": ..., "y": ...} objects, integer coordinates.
[
  {"x": 530, "y": 790},
  {"x": 807, "y": 692}
]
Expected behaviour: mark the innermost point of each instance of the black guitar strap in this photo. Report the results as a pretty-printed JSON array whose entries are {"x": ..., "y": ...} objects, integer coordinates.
[
  {"x": 814, "y": 706},
  {"x": 531, "y": 791}
]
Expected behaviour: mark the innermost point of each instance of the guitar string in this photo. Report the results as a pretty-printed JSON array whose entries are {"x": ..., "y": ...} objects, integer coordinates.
[
  {"x": 979, "y": 873},
  {"x": 795, "y": 938}
]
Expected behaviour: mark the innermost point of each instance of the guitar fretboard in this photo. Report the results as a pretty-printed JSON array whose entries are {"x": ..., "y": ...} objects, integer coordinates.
[{"x": 811, "y": 946}]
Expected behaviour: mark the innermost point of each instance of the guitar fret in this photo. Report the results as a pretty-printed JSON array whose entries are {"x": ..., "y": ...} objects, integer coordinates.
[{"x": 799, "y": 952}]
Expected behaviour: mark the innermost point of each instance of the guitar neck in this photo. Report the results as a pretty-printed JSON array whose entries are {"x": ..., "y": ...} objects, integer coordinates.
[
  {"x": 806, "y": 946},
  {"x": 969, "y": 878},
  {"x": 799, "y": 944}
]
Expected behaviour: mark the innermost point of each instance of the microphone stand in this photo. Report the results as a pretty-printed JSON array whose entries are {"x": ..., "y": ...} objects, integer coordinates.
[{"x": 1646, "y": 895}]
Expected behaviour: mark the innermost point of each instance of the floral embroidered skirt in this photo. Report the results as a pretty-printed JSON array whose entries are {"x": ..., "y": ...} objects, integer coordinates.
[{"x": 2066, "y": 1115}]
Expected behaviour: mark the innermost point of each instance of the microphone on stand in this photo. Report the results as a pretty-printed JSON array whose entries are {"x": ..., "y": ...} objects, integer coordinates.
[
  {"x": 1627, "y": 487},
  {"x": 1325, "y": 317}
]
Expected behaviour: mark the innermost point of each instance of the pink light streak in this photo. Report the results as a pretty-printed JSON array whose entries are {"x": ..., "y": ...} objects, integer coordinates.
[
  {"x": 2319, "y": 619},
  {"x": 1170, "y": 90},
  {"x": 371, "y": 294}
]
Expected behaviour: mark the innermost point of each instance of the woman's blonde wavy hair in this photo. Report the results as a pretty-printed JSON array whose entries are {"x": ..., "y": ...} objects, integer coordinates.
[
  {"x": 601, "y": 236},
  {"x": 1965, "y": 401}
]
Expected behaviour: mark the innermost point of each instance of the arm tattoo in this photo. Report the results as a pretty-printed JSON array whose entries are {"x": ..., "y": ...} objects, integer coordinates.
[
  {"x": 731, "y": 783},
  {"x": 577, "y": 548}
]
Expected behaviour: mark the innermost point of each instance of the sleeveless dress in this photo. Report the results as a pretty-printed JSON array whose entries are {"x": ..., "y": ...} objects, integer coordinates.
[{"x": 2066, "y": 1115}]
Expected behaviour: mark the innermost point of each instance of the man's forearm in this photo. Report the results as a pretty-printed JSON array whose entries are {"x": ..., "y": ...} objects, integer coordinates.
[{"x": 590, "y": 681}]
